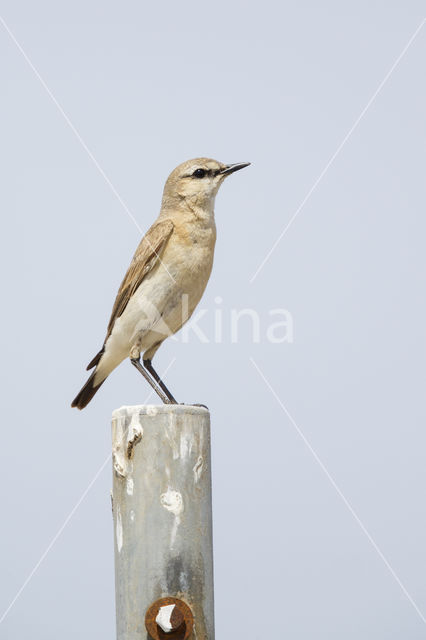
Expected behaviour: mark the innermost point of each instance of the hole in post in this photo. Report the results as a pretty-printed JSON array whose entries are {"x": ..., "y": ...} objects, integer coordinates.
[{"x": 176, "y": 634}]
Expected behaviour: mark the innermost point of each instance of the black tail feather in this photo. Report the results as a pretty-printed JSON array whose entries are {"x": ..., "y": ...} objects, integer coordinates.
[
  {"x": 96, "y": 359},
  {"x": 83, "y": 398}
]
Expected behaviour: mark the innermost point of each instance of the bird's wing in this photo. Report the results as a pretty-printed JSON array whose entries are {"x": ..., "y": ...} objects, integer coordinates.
[{"x": 146, "y": 256}]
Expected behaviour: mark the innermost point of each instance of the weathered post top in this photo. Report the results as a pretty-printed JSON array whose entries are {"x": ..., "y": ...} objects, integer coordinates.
[{"x": 162, "y": 522}]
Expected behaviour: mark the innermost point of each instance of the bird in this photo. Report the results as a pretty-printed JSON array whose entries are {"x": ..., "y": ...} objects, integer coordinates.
[{"x": 166, "y": 277}]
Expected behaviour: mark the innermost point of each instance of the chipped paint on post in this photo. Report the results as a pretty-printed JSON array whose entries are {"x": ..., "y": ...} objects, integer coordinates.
[
  {"x": 125, "y": 437},
  {"x": 119, "y": 530},
  {"x": 162, "y": 514},
  {"x": 129, "y": 486},
  {"x": 198, "y": 469},
  {"x": 173, "y": 502}
]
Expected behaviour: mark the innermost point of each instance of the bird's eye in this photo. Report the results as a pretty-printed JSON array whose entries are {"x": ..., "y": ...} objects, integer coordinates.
[{"x": 199, "y": 173}]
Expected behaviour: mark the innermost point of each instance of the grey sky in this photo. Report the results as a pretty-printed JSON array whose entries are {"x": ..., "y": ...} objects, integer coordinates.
[{"x": 148, "y": 85}]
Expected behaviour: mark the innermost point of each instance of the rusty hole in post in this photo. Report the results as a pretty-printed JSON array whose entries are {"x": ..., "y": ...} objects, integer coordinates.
[
  {"x": 181, "y": 620},
  {"x": 178, "y": 634}
]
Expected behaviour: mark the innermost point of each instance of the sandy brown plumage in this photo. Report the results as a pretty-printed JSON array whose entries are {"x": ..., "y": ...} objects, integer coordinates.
[
  {"x": 148, "y": 252},
  {"x": 166, "y": 278},
  {"x": 146, "y": 255}
]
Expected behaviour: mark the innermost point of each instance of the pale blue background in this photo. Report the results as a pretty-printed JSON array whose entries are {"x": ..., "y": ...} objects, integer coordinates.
[{"x": 149, "y": 85}]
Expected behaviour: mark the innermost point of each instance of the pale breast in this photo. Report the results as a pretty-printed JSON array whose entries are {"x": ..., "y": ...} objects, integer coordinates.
[
  {"x": 190, "y": 262},
  {"x": 168, "y": 295}
]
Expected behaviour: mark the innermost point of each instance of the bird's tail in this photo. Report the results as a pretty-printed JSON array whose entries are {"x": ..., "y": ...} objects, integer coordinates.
[{"x": 83, "y": 398}]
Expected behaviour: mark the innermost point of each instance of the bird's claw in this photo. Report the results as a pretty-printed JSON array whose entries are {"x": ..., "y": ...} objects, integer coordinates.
[{"x": 195, "y": 404}]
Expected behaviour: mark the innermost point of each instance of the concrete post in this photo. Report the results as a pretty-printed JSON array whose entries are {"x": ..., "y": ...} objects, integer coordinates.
[{"x": 163, "y": 522}]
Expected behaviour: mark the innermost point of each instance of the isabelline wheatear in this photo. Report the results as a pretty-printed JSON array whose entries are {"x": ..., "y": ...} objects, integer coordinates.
[{"x": 166, "y": 278}]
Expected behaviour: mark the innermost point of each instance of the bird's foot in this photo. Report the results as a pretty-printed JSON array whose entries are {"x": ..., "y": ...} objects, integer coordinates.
[{"x": 195, "y": 404}]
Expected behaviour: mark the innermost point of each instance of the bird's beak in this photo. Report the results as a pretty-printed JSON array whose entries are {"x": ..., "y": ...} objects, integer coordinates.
[{"x": 230, "y": 168}]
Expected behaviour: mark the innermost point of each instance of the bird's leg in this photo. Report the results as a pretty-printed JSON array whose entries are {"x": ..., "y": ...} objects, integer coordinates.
[
  {"x": 137, "y": 363},
  {"x": 148, "y": 366}
]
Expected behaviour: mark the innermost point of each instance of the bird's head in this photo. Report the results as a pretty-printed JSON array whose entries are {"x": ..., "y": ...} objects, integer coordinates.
[{"x": 197, "y": 182}]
